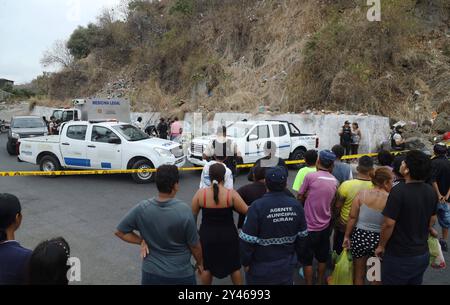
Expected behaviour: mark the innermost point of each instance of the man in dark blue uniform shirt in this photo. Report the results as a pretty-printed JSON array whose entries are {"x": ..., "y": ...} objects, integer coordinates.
[{"x": 273, "y": 234}]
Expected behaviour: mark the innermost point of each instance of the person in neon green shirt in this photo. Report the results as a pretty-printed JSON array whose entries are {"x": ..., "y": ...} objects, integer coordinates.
[
  {"x": 311, "y": 160},
  {"x": 347, "y": 192}
]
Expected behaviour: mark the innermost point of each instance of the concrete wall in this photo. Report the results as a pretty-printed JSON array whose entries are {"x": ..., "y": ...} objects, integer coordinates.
[{"x": 375, "y": 129}]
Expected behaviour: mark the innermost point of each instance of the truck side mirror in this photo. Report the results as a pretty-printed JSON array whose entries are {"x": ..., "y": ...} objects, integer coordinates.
[
  {"x": 253, "y": 137},
  {"x": 115, "y": 141}
]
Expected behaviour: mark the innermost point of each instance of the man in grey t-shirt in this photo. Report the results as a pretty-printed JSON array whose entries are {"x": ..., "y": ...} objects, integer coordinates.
[
  {"x": 167, "y": 227},
  {"x": 341, "y": 171}
]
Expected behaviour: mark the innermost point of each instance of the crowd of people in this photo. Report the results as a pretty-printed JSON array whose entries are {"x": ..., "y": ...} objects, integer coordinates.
[
  {"x": 165, "y": 129},
  {"x": 387, "y": 210}
]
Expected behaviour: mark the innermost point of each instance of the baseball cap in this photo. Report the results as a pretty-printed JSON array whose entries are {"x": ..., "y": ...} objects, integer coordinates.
[
  {"x": 276, "y": 178},
  {"x": 327, "y": 158}
]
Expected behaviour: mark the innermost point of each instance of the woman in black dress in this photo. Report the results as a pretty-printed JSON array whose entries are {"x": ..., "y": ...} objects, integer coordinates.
[{"x": 218, "y": 233}]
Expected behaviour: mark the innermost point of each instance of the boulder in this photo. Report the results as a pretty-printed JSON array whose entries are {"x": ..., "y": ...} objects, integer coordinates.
[
  {"x": 442, "y": 123},
  {"x": 419, "y": 143}
]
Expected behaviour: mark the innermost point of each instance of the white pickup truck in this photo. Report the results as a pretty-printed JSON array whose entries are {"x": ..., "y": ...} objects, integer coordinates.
[
  {"x": 102, "y": 146},
  {"x": 251, "y": 137}
]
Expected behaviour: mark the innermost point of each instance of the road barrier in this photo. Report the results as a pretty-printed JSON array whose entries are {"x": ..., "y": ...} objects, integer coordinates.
[{"x": 145, "y": 171}]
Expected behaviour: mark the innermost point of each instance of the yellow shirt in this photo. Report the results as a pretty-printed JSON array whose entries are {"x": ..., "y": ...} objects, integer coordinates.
[{"x": 348, "y": 190}]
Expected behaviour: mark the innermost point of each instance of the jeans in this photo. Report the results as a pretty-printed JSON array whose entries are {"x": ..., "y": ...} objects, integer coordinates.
[
  {"x": 443, "y": 215},
  {"x": 404, "y": 270},
  {"x": 156, "y": 280},
  {"x": 278, "y": 273},
  {"x": 348, "y": 148}
]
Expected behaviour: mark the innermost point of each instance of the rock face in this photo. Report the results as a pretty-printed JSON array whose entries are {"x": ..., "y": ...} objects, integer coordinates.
[
  {"x": 442, "y": 123},
  {"x": 419, "y": 143}
]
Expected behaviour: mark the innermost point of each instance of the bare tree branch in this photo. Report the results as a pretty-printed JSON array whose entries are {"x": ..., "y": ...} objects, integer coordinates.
[{"x": 58, "y": 55}]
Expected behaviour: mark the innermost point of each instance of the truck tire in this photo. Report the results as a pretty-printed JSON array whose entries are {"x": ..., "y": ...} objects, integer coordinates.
[
  {"x": 297, "y": 155},
  {"x": 143, "y": 178},
  {"x": 49, "y": 164},
  {"x": 11, "y": 149}
]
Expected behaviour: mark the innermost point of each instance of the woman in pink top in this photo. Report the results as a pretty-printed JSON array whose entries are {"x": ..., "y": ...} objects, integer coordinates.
[{"x": 175, "y": 130}]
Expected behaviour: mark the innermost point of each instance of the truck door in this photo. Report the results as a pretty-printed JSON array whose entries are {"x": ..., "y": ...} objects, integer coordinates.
[
  {"x": 282, "y": 139},
  {"x": 255, "y": 143},
  {"x": 73, "y": 146},
  {"x": 104, "y": 149}
]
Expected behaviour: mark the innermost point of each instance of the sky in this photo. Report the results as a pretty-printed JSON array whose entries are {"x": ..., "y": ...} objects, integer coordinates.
[{"x": 29, "y": 27}]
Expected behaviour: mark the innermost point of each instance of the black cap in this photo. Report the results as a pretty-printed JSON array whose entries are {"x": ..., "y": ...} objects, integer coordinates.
[{"x": 276, "y": 178}]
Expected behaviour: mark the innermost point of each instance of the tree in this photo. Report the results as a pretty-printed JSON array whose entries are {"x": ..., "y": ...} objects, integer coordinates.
[
  {"x": 83, "y": 40},
  {"x": 58, "y": 55}
]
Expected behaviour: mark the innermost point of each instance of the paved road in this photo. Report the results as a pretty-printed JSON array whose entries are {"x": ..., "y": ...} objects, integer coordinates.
[{"x": 86, "y": 209}]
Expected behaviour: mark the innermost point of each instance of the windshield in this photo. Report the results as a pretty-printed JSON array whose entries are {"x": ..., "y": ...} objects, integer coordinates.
[
  {"x": 238, "y": 130},
  {"x": 58, "y": 114},
  {"x": 28, "y": 123},
  {"x": 131, "y": 133}
]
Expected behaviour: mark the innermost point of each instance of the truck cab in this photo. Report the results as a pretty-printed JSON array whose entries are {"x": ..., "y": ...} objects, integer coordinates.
[{"x": 66, "y": 115}]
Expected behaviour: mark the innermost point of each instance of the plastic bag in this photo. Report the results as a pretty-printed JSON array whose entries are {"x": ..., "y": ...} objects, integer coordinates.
[
  {"x": 437, "y": 259},
  {"x": 343, "y": 271}
]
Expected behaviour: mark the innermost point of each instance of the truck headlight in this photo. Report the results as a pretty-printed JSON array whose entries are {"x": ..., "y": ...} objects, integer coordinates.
[
  {"x": 164, "y": 153},
  {"x": 15, "y": 135}
]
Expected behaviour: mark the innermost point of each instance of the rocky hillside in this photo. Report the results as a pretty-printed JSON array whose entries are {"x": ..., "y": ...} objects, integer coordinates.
[{"x": 279, "y": 55}]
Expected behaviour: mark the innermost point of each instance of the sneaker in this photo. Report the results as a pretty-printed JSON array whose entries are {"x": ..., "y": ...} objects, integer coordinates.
[{"x": 444, "y": 245}]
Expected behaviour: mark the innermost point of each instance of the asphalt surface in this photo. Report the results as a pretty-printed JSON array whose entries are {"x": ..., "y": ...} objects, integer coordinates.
[{"x": 86, "y": 210}]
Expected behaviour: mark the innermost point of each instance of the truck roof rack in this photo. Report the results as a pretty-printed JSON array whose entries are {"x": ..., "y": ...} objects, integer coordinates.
[
  {"x": 278, "y": 121},
  {"x": 103, "y": 121}
]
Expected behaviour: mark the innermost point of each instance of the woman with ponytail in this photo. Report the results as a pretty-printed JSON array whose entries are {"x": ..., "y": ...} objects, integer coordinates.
[
  {"x": 218, "y": 233},
  {"x": 364, "y": 226},
  {"x": 13, "y": 257}
]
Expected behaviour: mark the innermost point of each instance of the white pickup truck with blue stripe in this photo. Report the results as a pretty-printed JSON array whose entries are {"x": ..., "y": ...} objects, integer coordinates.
[
  {"x": 251, "y": 137},
  {"x": 101, "y": 146}
]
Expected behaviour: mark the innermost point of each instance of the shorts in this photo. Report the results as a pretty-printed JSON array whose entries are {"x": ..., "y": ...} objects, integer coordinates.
[
  {"x": 317, "y": 245},
  {"x": 443, "y": 215},
  {"x": 404, "y": 270},
  {"x": 364, "y": 243}
]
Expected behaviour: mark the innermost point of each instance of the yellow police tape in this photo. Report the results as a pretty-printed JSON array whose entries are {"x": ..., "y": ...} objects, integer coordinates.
[{"x": 146, "y": 171}]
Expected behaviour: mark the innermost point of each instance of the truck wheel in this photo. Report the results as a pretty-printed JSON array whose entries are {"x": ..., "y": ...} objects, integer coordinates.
[
  {"x": 11, "y": 148},
  {"x": 49, "y": 164},
  {"x": 143, "y": 178},
  {"x": 297, "y": 155}
]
